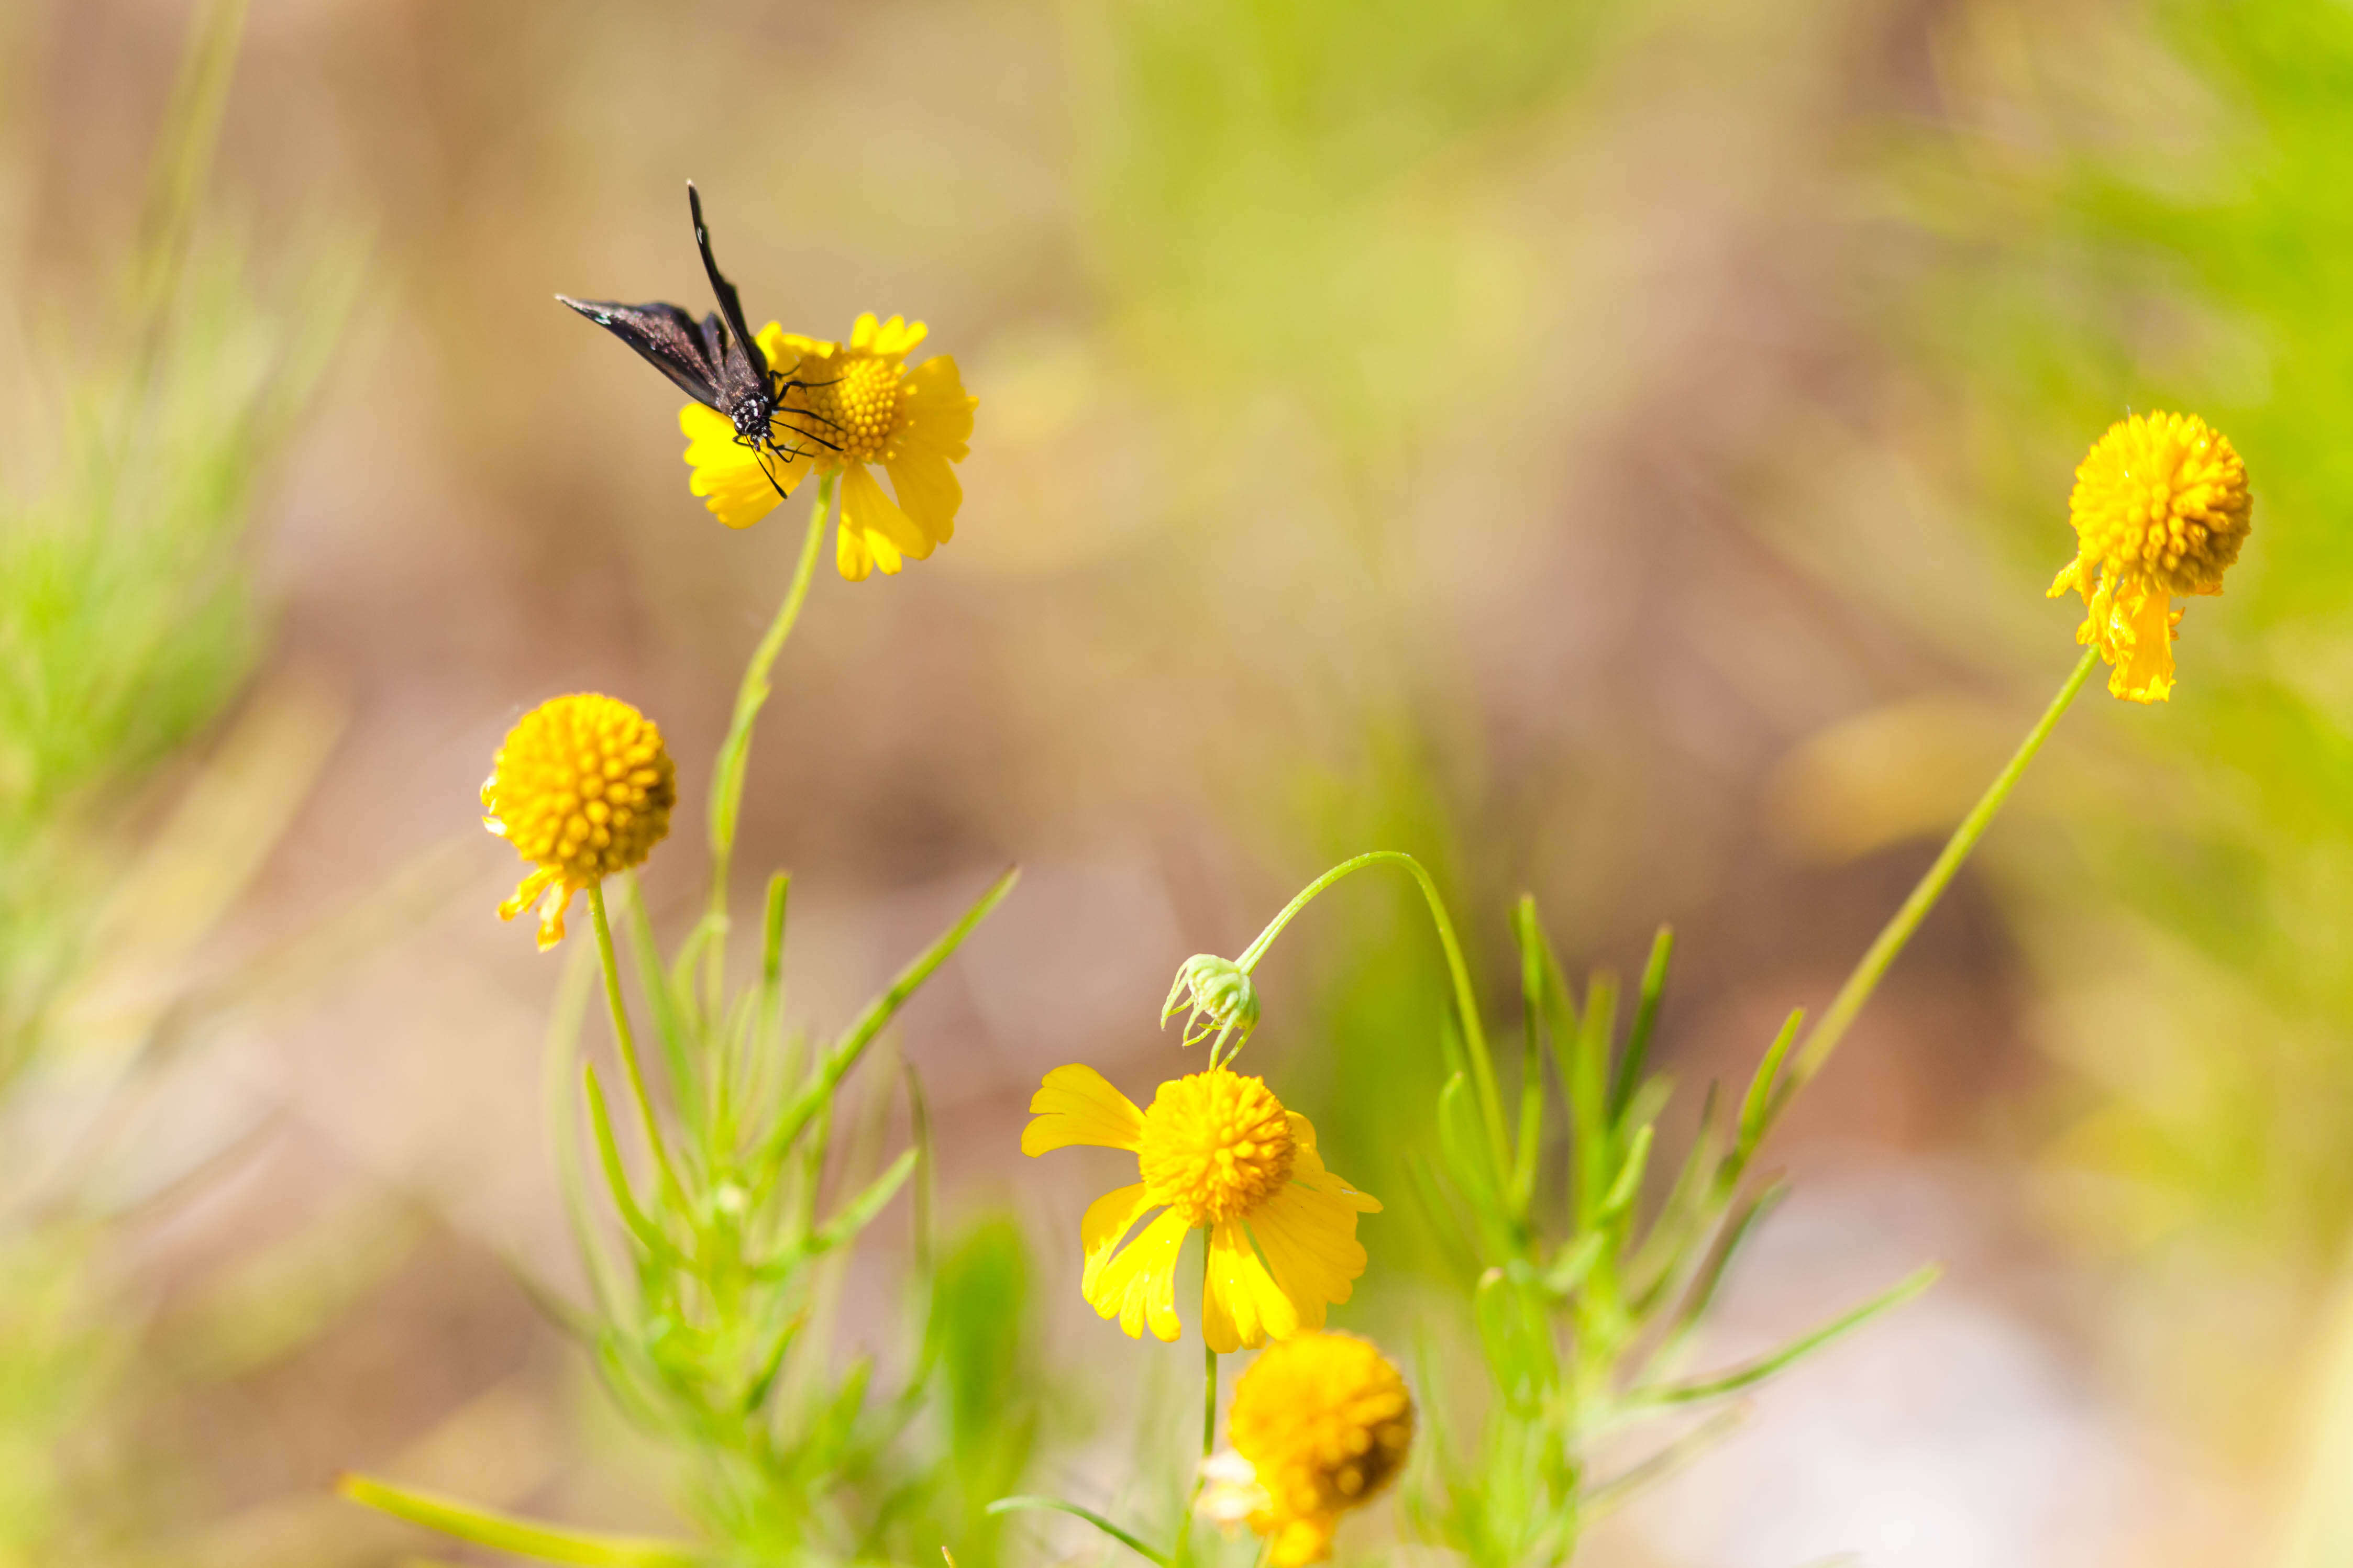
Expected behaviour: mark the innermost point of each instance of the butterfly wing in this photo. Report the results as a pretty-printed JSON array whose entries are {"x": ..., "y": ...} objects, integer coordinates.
[
  {"x": 696, "y": 355},
  {"x": 743, "y": 367}
]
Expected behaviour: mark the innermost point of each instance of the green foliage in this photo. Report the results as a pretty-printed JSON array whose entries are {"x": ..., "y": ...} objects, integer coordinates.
[
  {"x": 1585, "y": 1308},
  {"x": 718, "y": 1278},
  {"x": 126, "y": 621}
]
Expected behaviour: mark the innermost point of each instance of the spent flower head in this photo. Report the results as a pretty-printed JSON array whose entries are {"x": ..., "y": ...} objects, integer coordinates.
[
  {"x": 2160, "y": 507},
  {"x": 583, "y": 788},
  {"x": 851, "y": 405},
  {"x": 1319, "y": 1424},
  {"x": 1217, "y": 1151},
  {"x": 1222, "y": 1004}
]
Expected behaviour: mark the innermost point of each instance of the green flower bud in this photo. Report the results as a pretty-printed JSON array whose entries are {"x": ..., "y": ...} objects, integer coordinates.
[{"x": 1222, "y": 1001}]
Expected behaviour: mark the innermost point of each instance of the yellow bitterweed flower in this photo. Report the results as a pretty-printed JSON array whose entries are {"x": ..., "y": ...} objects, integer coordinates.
[
  {"x": 2160, "y": 507},
  {"x": 1319, "y": 1424},
  {"x": 1219, "y": 1152},
  {"x": 857, "y": 404},
  {"x": 582, "y": 788}
]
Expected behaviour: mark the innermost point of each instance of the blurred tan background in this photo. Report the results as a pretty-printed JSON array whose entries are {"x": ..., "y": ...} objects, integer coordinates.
[{"x": 1614, "y": 450}]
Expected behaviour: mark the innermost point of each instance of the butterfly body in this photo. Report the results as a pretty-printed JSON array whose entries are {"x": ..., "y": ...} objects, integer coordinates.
[{"x": 716, "y": 361}]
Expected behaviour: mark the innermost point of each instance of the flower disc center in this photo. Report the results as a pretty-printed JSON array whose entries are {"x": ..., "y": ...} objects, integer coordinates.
[{"x": 1215, "y": 1146}]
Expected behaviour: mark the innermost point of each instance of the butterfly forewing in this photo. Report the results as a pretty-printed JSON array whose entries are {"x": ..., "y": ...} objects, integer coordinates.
[
  {"x": 754, "y": 370},
  {"x": 693, "y": 353}
]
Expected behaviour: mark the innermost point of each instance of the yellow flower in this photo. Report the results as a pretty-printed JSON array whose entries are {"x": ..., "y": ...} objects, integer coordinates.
[
  {"x": 2161, "y": 507},
  {"x": 857, "y": 404},
  {"x": 1319, "y": 1424},
  {"x": 582, "y": 788},
  {"x": 1219, "y": 1152}
]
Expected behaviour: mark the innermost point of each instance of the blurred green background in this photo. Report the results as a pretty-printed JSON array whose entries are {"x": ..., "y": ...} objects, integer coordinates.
[{"x": 1612, "y": 450}]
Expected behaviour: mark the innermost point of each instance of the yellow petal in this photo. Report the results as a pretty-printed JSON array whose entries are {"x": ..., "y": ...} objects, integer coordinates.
[
  {"x": 934, "y": 410},
  {"x": 1108, "y": 1218},
  {"x": 1311, "y": 1247},
  {"x": 863, "y": 331},
  {"x": 776, "y": 345},
  {"x": 1308, "y": 1170},
  {"x": 1241, "y": 1306},
  {"x": 1139, "y": 1284},
  {"x": 727, "y": 474},
  {"x": 928, "y": 491},
  {"x": 895, "y": 337},
  {"x": 865, "y": 508},
  {"x": 2143, "y": 624},
  {"x": 1077, "y": 1104}
]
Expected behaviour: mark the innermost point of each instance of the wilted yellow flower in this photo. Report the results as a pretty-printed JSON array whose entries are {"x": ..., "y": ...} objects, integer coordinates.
[
  {"x": 2160, "y": 507},
  {"x": 582, "y": 788},
  {"x": 857, "y": 404},
  {"x": 1218, "y": 1150},
  {"x": 1319, "y": 1424}
]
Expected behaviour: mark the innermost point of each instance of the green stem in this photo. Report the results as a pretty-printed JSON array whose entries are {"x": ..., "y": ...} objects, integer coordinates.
[
  {"x": 1833, "y": 1026},
  {"x": 1466, "y": 1001},
  {"x": 628, "y": 1039},
  {"x": 750, "y": 696}
]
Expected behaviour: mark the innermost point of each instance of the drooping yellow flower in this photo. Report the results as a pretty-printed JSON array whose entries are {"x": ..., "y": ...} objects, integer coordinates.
[
  {"x": 1319, "y": 1424},
  {"x": 1219, "y": 1152},
  {"x": 2160, "y": 507},
  {"x": 857, "y": 404},
  {"x": 582, "y": 788}
]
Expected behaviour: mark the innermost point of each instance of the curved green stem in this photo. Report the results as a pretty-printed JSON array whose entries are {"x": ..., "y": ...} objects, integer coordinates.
[
  {"x": 1882, "y": 951},
  {"x": 1466, "y": 1001},
  {"x": 628, "y": 1040},
  {"x": 750, "y": 696}
]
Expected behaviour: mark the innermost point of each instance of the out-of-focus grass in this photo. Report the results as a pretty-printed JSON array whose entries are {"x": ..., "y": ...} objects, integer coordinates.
[
  {"x": 135, "y": 448},
  {"x": 2149, "y": 212}
]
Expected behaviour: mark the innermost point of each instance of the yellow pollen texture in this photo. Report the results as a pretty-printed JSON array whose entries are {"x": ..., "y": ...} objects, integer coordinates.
[
  {"x": 2163, "y": 496},
  {"x": 1215, "y": 1145},
  {"x": 582, "y": 788},
  {"x": 855, "y": 405},
  {"x": 1325, "y": 1420}
]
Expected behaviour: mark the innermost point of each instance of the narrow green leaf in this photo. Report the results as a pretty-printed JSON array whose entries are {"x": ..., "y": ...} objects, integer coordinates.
[
  {"x": 879, "y": 1012},
  {"x": 1756, "y": 1109},
  {"x": 1629, "y": 1070},
  {"x": 1526, "y": 931},
  {"x": 859, "y": 1212},
  {"x": 1056, "y": 1505},
  {"x": 1575, "y": 1261},
  {"x": 1717, "y": 1263},
  {"x": 502, "y": 1532},
  {"x": 617, "y": 1175},
  {"x": 1588, "y": 1096},
  {"x": 669, "y": 1020},
  {"x": 1629, "y": 1183},
  {"x": 1458, "y": 1144},
  {"x": 1756, "y": 1371}
]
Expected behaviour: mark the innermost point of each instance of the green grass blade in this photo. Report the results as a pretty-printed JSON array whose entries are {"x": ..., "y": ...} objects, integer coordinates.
[
  {"x": 1056, "y": 1505},
  {"x": 503, "y": 1532},
  {"x": 1756, "y": 1371},
  {"x": 617, "y": 1175},
  {"x": 1757, "y": 1110},
  {"x": 1629, "y": 1071},
  {"x": 879, "y": 1012}
]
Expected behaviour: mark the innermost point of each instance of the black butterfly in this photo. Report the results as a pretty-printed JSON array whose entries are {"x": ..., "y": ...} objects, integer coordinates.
[{"x": 717, "y": 361}]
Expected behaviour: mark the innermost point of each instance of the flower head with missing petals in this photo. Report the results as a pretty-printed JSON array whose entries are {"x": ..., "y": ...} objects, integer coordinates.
[
  {"x": 583, "y": 788},
  {"x": 1319, "y": 1424},
  {"x": 1219, "y": 1152},
  {"x": 846, "y": 406},
  {"x": 2160, "y": 507}
]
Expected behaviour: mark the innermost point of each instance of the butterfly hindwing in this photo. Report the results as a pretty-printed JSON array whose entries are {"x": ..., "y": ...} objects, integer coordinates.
[{"x": 692, "y": 353}]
